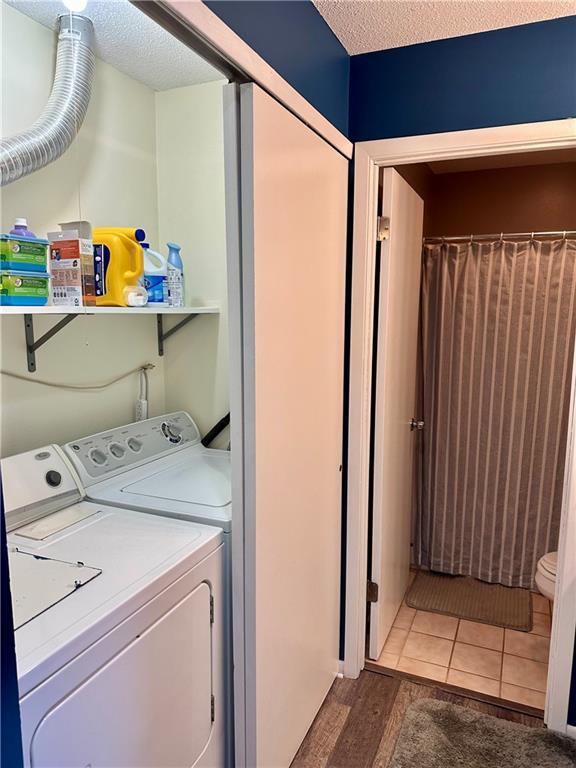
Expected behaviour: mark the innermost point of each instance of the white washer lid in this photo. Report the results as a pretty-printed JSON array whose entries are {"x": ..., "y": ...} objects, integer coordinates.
[
  {"x": 549, "y": 563},
  {"x": 202, "y": 478}
]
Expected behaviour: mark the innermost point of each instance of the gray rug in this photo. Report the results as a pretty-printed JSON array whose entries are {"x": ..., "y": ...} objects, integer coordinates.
[
  {"x": 468, "y": 598},
  {"x": 436, "y": 734}
]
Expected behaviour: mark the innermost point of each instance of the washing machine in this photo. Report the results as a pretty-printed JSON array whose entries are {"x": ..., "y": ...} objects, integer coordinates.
[
  {"x": 119, "y": 626},
  {"x": 159, "y": 466}
]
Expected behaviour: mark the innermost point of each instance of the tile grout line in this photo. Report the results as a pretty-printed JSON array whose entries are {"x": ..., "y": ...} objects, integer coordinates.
[
  {"x": 482, "y": 647},
  {"x": 452, "y": 650},
  {"x": 469, "y": 645},
  {"x": 475, "y": 674},
  {"x": 502, "y": 663},
  {"x": 502, "y": 667},
  {"x": 466, "y": 672},
  {"x": 401, "y": 654}
]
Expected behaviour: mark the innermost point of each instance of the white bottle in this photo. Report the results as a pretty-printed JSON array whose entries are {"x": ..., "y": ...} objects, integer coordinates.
[
  {"x": 175, "y": 276},
  {"x": 155, "y": 278}
]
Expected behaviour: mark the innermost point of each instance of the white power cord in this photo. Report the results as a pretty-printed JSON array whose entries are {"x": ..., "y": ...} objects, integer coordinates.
[
  {"x": 142, "y": 402},
  {"x": 142, "y": 369}
]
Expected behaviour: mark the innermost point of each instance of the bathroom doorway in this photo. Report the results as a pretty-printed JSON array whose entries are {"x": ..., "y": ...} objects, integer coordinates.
[
  {"x": 489, "y": 377},
  {"x": 494, "y": 351}
]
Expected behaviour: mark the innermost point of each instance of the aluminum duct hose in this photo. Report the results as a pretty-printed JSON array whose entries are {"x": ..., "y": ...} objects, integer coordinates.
[{"x": 54, "y": 131}]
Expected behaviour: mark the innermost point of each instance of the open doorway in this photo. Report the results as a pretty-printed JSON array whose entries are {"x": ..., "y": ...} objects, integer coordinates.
[
  {"x": 487, "y": 374},
  {"x": 396, "y": 155}
]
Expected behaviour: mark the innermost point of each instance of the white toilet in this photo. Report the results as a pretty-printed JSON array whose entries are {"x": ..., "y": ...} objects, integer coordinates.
[{"x": 546, "y": 574}]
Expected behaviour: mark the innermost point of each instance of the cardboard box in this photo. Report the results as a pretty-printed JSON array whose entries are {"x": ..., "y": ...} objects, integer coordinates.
[{"x": 72, "y": 265}]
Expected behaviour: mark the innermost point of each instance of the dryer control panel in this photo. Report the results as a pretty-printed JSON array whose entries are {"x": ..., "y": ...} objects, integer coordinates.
[
  {"x": 37, "y": 483},
  {"x": 107, "y": 453}
]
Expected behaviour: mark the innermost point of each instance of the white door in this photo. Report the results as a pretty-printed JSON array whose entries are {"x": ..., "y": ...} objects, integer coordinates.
[
  {"x": 289, "y": 353},
  {"x": 397, "y": 329}
]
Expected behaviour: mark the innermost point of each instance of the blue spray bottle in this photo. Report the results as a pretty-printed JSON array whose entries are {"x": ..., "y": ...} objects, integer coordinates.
[{"x": 175, "y": 276}]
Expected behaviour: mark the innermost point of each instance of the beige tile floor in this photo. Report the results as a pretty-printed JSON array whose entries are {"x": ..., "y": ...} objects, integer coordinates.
[{"x": 479, "y": 657}]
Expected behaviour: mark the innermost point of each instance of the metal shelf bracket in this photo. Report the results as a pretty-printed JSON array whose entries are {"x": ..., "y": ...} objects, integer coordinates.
[
  {"x": 162, "y": 336},
  {"x": 32, "y": 345}
]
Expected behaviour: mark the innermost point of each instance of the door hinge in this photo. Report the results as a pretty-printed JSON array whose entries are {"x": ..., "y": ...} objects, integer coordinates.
[
  {"x": 212, "y": 709},
  {"x": 211, "y": 609},
  {"x": 383, "y": 231},
  {"x": 371, "y": 592}
]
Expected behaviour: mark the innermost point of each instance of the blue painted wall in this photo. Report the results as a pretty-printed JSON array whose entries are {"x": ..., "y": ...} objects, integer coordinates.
[
  {"x": 296, "y": 41},
  {"x": 572, "y": 702},
  {"x": 10, "y": 742},
  {"x": 516, "y": 75}
]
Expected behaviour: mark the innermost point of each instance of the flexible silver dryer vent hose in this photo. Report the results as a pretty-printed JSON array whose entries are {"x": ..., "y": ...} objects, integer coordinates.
[{"x": 54, "y": 131}]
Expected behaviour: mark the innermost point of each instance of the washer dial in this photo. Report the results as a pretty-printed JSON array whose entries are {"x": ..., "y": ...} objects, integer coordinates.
[
  {"x": 134, "y": 444},
  {"x": 117, "y": 450},
  {"x": 171, "y": 432},
  {"x": 97, "y": 456}
]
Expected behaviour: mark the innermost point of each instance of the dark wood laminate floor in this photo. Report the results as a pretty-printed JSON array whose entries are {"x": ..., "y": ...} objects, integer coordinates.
[{"x": 359, "y": 722}]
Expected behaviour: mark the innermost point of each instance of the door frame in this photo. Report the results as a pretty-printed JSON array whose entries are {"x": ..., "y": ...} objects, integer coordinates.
[{"x": 370, "y": 156}]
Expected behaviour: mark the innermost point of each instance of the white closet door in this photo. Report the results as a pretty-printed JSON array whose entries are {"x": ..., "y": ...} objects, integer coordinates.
[
  {"x": 293, "y": 190},
  {"x": 399, "y": 289}
]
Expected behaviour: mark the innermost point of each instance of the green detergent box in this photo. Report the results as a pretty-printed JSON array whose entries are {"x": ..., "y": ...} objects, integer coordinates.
[
  {"x": 23, "y": 254},
  {"x": 24, "y": 289}
]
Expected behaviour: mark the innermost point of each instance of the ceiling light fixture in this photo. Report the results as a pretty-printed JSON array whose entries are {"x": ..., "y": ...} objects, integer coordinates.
[{"x": 75, "y": 5}]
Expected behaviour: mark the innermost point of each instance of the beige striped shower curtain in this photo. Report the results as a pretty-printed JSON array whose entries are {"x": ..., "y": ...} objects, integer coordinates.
[{"x": 498, "y": 322}]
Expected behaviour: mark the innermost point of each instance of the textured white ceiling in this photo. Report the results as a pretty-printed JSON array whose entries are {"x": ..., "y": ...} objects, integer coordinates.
[
  {"x": 130, "y": 41},
  {"x": 374, "y": 25}
]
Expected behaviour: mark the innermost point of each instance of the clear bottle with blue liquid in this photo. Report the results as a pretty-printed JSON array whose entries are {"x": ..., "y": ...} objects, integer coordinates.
[{"x": 175, "y": 276}]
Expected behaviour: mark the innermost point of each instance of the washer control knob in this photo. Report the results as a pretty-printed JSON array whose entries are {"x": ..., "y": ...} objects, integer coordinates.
[
  {"x": 134, "y": 444},
  {"x": 171, "y": 432},
  {"x": 53, "y": 478},
  {"x": 117, "y": 450},
  {"x": 97, "y": 456}
]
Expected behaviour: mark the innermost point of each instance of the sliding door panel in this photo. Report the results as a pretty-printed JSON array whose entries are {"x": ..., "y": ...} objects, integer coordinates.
[{"x": 293, "y": 192}]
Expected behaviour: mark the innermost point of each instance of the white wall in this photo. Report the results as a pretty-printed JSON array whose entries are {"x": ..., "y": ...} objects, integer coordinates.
[
  {"x": 191, "y": 212},
  {"x": 108, "y": 176},
  {"x": 146, "y": 159},
  {"x": 89, "y": 351}
]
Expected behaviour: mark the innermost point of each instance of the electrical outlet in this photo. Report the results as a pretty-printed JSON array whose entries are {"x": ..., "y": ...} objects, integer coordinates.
[{"x": 141, "y": 410}]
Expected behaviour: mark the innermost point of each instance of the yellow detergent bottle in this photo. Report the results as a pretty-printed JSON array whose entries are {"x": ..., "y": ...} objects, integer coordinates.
[{"x": 118, "y": 266}]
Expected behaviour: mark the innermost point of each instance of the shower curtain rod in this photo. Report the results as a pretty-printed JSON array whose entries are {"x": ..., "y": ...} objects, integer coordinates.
[{"x": 502, "y": 236}]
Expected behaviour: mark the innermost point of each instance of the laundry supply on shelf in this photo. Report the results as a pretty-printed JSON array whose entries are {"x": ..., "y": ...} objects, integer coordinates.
[
  {"x": 175, "y": 276},
  {"x": 135, "y": 296},
  {"x": 72, "y": 265},
  {"x": 20, "y": 229},
  {"x": 155, "y": 275},
  {"x": 22, "y": 253},
  {"x": 23, "y": 288},
  {"x": 118, "y": 266}
]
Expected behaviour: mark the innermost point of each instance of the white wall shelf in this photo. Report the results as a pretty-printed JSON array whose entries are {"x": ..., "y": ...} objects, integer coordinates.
[
  {"x": 69, "y": 314},
  {"x": 50, "y": 310}
]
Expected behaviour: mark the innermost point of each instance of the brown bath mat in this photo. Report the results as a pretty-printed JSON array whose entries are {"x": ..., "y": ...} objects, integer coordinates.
[
  {"x": 468, "y": 598},
  {"x": 436, "y": 734}
]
